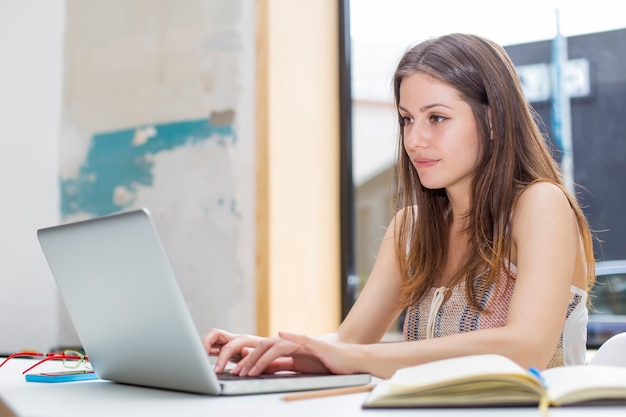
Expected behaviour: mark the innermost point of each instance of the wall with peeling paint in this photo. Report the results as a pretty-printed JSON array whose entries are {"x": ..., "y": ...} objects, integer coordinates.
[
  {"x": 157, "y": 110},
  {"x": 156, "y": 114}
]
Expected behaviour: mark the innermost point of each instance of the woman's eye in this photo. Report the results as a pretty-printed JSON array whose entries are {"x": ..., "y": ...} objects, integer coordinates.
[
  {"x": 406, "y": 120},
  {"x": 437, "y": 119}
]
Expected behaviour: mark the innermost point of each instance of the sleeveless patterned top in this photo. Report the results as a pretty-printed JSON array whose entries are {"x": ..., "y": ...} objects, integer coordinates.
[{"x": 445, "y": 311}]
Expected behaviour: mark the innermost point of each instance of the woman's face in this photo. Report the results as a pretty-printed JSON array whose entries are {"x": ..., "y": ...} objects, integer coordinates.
[{"x": 440, "y": 133}]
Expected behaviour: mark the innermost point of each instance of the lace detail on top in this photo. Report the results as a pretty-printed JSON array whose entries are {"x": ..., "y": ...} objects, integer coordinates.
[
  {"x": 435, "y": 310},
  {"x": 445, "y": 311}
]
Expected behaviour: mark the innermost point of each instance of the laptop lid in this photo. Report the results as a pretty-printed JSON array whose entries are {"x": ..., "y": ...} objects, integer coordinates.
[{"x": 124, "y": 300}]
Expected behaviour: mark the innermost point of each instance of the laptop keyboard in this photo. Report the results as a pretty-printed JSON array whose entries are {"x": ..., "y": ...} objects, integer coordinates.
[{"x": 226, "y": 376}]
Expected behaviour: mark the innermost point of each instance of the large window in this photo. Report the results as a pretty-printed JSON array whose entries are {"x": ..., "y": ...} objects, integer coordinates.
[{"x": 379, "y": 32}]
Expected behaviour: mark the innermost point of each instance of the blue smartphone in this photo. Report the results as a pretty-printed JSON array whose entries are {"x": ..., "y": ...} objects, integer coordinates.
[{"x": 64, "y": 376}]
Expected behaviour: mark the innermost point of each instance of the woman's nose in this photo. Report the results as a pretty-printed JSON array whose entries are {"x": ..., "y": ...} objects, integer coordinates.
[{"x": 414, "y": 137}]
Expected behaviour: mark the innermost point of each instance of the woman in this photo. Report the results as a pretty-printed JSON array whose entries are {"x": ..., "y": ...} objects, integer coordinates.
[{"x": 488, "y": 252}]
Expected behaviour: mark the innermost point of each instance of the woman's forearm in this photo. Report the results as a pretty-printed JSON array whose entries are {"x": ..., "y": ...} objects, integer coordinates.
[{"x": 383, "y": 359}]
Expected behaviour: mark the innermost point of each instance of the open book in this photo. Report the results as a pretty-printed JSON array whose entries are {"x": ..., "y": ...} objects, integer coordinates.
[{"x": 494, "y": 380}]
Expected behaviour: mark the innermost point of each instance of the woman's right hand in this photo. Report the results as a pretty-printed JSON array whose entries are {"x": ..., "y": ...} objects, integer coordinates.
[{"x": 228, "y": 347}]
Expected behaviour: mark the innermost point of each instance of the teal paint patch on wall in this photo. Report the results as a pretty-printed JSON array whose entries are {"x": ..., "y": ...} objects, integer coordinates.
[{"x": 125, "y": 158}]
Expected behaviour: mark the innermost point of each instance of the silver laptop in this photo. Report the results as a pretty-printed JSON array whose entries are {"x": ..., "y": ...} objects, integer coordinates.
[{"x": 125, "y": 302}]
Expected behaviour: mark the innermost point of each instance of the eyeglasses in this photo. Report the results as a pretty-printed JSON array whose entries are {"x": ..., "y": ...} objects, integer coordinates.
[{"x": 70, "y": 358}]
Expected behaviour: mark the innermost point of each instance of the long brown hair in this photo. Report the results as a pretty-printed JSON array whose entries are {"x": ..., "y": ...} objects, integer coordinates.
[{"x": 516, "y": 157}]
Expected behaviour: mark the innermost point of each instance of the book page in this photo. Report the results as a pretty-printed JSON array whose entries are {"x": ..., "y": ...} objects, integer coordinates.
[
  {"x": 580, "y": 383},
  {"x": 476, "y": 379},
  {"x": 444, "y": 371}
]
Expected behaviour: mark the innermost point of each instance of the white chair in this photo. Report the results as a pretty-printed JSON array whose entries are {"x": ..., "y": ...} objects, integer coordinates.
[{"x": 612, "y": 352}]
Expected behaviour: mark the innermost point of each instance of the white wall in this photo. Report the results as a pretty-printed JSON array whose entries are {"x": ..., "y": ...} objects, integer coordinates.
[
  {"x": 191, "y": 60},
  {"x": 31, "y": 33}
]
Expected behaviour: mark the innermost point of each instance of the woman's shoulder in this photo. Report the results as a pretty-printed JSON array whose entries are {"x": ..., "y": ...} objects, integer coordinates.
[
  {"x": 405, "y": 213},
  {"x": 541, "y": 195},
  {"x": 540, "y": 204}
]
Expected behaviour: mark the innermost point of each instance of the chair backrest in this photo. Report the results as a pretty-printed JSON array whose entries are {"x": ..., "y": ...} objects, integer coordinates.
[{"x": 612, "y": 352}]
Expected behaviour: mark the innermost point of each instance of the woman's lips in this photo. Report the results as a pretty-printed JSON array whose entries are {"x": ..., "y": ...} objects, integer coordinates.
[{"x": 424, "y": 162}]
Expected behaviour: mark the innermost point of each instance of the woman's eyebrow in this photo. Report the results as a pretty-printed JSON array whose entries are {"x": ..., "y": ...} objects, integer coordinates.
[{"x": 426, "y": 107}]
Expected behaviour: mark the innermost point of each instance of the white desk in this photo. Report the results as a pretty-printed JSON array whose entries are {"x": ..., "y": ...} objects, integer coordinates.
[{"x": 103, "y": 398}]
